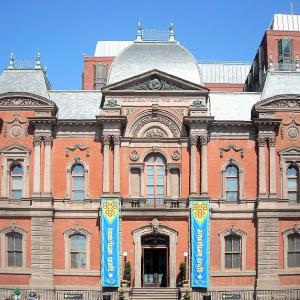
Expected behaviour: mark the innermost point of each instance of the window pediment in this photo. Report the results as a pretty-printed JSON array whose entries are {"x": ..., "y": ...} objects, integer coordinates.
[
  {"x": 15, "y": 149},
  {"x": 295, "y": 150}
]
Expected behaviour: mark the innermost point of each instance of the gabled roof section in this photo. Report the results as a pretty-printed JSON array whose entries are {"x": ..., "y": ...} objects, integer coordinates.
[
  {"x": 26, "y": 101},
  {"x": 31, "y": 81},
  {"x": 154, "y": 81}
]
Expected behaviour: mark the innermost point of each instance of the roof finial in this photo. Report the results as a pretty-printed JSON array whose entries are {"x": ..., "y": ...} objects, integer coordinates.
[
  {"x": 45, "y": 70},
  {"x": 171, "y": 32},
  {"x": 139, "y": 34},
  {"x": 11, "y": 61},
  {"x": 38, "y": 60}
]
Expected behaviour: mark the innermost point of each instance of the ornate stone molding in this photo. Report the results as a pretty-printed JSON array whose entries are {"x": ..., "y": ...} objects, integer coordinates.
[
  {"x": 48, "y": 140},
  {"x": 193, "y": 139},
  {"x": 155, "y": 83},
  {"x": 16, "y": 127},
  {"x": 155, "y": 133},
  {"x": 77, "y": 146},
  {"x": 37, "y": 140},
  {"x": 234, "y": 148},
  {"x": 176, "y": 155},
  {"x": 134, "y": 156},
  {"x": 106, "y": 139},
  {"x": 261, "y": 141},
  {"x": 19, "y": 101},
  {"x": 155, "y": 225},
  {"x": 292, "y": 131}
]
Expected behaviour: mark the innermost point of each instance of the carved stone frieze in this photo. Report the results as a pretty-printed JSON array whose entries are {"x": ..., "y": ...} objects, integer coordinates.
[
  {"x": 134, "y": 156},
  {"x": 176, "y": 155},
  {"x": 290, "y": 103},
  {"x": 16, "y": 127},
  {"x": 78, "y": 146},
  {"x": 154, "y": 83},
  {"x": 155, "y": 133},
  {"x": 19, "y": 101},
  {"x": 234, "y": 148},
  {"x": 160, "y": 119}
]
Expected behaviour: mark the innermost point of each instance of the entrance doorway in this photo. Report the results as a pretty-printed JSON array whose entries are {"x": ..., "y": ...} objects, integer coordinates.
[{"x": 155, "y": 259}]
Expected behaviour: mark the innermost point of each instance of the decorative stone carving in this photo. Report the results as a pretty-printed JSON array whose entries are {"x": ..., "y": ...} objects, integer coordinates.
[
  {"x": 193, "y": 140},
  {"x": 48, "y": 140},
  {"x": 155, "y": 225},
  {"x": 77, "y": 229},
  {"x": 292, "y": 132},
  {"x": 22, "y": 101},
  {"x": 176, "y": 155},
  {"x": 116, "y": 139},
  {"x": 296, "y": 228},
  {"x": 154, "y": 133},
  {"x": 232, "y": 147},
  {"x": 77, "y": 146},
  {"x": 154, "y": 83},
  {"x": 261, "y": 141},
  {"x": 134, "y": 156},
  {"x": 198, "y": 103},
  {"x": 12, "y": 227},
  {"x": 129, "y": 110},
  {"x": 272, "y": 142},
  {"x": 161, "y": 119},
  {"x": 204, "y": 139},
  {"x": 106, "y": 139},
  {"x": 155, "y": 149},
  {"x": 290, "y": 104},
  {"x": 111, "y": 103},
  {"x": 233, "y": 229},
  {"x": 16, "y": 127},
  {"x": 37, "y": 140}
]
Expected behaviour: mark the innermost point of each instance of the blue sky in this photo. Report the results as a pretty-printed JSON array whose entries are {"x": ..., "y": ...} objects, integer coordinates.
[{"x": 63, "y": 29}]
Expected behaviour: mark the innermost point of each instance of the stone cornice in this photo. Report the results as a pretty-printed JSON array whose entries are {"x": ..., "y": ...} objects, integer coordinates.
[
  {"x": 198, "y": 119},
  {"x": 76, "y": 122},
  {"x": 111, "y": 119},
  {"x": 266, "y": 121},
  {"x": 43, "y": 120}
]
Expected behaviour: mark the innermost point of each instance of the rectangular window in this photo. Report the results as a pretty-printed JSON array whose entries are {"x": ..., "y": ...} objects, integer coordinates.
[
  {"x": 14, "y": 250},
  {"x": 232, "y": 252},
  {"x": 294, "y": 251}
]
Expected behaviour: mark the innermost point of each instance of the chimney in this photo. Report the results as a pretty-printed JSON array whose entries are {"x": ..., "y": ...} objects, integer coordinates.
[{"x": 100, "y": 76}]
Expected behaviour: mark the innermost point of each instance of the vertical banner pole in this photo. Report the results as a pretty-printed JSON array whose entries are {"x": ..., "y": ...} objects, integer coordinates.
[
  {"x": 200, "y": 240},
  {"x": 110, "y": 242}
]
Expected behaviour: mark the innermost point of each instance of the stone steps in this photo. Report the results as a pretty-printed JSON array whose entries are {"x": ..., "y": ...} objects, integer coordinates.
[{"x": 154, "y": 294}]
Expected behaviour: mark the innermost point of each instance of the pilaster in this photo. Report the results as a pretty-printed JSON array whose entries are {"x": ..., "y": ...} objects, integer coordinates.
[
  {"x": 47, "y": 165},
  {"x": 261, "y": 143},
  {"x": 116, "y": 142},
  {"x": 37, "y": 142},
  {"x": 193, "y": 179},
  {"x": 106, "y": 144},
  {"x": 204, "y": 175},
  {"x": 272, "y": 165}
]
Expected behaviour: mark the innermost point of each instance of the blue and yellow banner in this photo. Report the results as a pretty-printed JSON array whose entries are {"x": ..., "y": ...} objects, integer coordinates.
[
  {"x": 200, "y": 243},
  {"x": 110, "y": 262}
]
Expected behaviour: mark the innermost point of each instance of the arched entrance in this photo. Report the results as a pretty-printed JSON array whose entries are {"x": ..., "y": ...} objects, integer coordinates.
[{"x": 155, "y": 255}]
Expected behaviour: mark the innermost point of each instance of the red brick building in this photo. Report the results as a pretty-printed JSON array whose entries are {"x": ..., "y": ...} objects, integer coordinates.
[{"x": 156, "y": 130}]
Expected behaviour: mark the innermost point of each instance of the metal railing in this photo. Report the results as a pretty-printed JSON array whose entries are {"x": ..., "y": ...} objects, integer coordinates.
[{"x": 155, "y": 203}]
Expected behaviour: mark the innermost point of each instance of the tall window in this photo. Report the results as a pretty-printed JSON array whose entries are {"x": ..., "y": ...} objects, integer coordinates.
[
  {"x": 294, "y": 250},
  {"x": 155, "y": 178},
  {"x": 78, "y": 251},
  {"x": 78, "y": 183},
  {"x": 292, "y": 183},
  {"x": 16, "y": 181},
  {"x": 232, "y": 183},
  {"x": 285, "y": 50},
  {"x": 14, "y": 249},
  {"x": 232, "y": 252}
]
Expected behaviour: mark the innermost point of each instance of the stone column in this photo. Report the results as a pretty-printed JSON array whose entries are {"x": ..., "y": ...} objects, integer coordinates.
[
  {"x": 204, "y": 182},
  {"x": 117, "y": 142},
  {"x": 272, "y": 144},
  {"x": 37, "y": 141},
  {"x": 261, "y": 142},
  {"x": 105, "y": 179},
  {"x": 47, "y": 165},
  {"x": 193, "y": 179}
]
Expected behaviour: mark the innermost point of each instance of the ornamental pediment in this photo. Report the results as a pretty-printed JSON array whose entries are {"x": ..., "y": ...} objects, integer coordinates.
[
  {"x": 154, "y": 81},
  {"x": 279, "y": 103},
  {"x": 17, "y": 101},
  {"x": 291, "y": 151},
  {"x": 14, "y": 149}
]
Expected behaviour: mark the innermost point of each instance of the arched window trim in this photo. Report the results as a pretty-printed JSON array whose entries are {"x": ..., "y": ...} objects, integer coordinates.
[
  {"x": 13, "y": 228},
  {"x": 232, "y": 231},
  {"x": 12, "y": 165},
  {"x": 295, "y": 165},
  {"x": 292, "y": 230},
  {"x": 238, "y": 165},
  {"x": 67, "y": 234},
  {"x": 11, "y": 154},
  {"x": 71, "y": 164}
]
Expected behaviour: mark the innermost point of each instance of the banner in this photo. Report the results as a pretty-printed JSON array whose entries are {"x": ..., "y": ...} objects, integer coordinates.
[
  {"x": 110, "y": 261},
  {"x": 200, "y": 243}
]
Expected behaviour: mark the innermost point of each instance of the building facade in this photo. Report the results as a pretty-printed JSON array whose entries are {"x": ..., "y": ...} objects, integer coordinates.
[{"x": 152, "y": 134}]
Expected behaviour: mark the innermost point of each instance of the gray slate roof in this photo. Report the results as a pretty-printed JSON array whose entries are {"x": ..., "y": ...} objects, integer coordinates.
[
  {"x": 76, "y": 104},
  {"x": 279, "y": 83},
  {"x": 30, "y": 81},
  {"x": 232, "y": 106},
  {"x": 168, "y": 57}
]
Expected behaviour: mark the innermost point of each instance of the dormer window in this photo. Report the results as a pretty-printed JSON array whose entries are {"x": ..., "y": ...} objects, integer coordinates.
[{"x": 284, "y": 53}]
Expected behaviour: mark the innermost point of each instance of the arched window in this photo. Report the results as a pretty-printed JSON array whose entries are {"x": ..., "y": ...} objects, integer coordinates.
[
  {"x": 78, "y": 183},
  {"x": 232, "y": 183},
  {"x": 78, "y": 251},
  {"x": 233, "y": 252},
  {"x": 293, "y": 183},
  {"x": 155, "y": 178},
  {"x": 14, "y": 249},
  {"x": 16, "y": 174},
  {"x": 293, "y": 255}
]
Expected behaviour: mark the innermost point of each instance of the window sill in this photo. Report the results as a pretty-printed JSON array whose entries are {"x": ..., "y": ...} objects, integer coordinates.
[
  {"x": 74, "y": 272},
  {"x": 16, "y": 271},
  {"x": 289, "y": 271}
]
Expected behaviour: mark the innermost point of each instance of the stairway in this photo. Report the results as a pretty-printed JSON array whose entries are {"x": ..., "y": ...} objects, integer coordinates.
[{"x": 154, "y": 294}]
